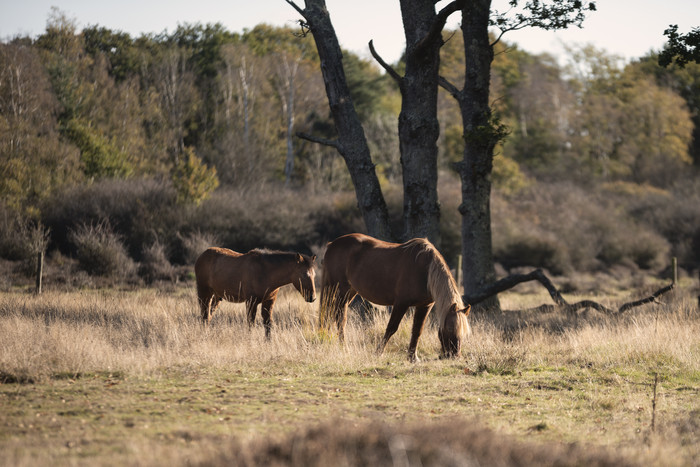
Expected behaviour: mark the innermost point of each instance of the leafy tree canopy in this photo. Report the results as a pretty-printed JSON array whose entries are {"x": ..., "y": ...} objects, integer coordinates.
[{"x": 681, "y": 48}]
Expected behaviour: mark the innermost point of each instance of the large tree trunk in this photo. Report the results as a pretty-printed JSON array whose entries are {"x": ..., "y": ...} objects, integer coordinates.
[
  {"x": 480, "y": 139},
  {"x": 351, "y": 142},
  {"x": 418, "y": 124}
]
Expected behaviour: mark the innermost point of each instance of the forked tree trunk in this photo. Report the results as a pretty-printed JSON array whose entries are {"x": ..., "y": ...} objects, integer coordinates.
[
  {"x": 418, "y": 124},
  {"x": 351, "y": 142},
  {"x": 480, "y": 139}
]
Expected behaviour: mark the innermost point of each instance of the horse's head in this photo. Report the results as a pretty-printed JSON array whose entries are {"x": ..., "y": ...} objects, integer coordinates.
[
  {"x": 306, "y": 274},
  {"x": 453, "y": 330}
]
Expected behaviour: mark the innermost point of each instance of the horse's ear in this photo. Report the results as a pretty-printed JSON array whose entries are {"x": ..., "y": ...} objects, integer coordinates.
[
  {"x": 300, "y": 259},
  {"x": 466, "y": 309},
  {"x": 313, "y": 258}
]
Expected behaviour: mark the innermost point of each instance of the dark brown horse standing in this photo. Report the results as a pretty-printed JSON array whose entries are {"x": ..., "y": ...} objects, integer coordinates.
[
  {"x": 401, "y": 275},
  {"x": 254, "y": 277}
]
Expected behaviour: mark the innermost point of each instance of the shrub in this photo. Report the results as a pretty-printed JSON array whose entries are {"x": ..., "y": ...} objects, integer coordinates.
[
  {"x": 674, "y": 216},
  {"x": 540, "y": 251},
  {"x": 564, "y": 227},
  {"x": 274, "y": 218},
  {"x": 155, "y": 264},
  {"x": 22, "y": 240},
  {"x": 100, "y": 251},
  {"x": 137, "y": 209},
  {"x": 194, "y": 243}
]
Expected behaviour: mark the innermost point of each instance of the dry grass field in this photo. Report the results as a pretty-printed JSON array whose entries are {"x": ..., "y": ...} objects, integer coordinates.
[{"x": 131, "y": 377}]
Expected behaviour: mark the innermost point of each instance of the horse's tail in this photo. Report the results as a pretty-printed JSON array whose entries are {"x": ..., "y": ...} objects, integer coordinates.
[
  {"x": 446, "y": 296},
  {"x": 328, "y": 306},
  {"x": 327, "y": 297}
]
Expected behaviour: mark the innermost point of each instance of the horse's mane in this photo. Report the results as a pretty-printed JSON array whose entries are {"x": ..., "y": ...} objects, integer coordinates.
[
  {"x": 274, "y": 256},
  {"x": 441, "y": 283}
]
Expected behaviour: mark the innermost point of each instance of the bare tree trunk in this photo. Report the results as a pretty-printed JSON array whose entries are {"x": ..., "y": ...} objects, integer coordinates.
[
  {"x": 246, "y": 98},
  {"x": 480, "y": 139},
  {"x": 287, "y": 74},
  {"x": 351, "y": 142},
  {"x": 418, "y": 124}
]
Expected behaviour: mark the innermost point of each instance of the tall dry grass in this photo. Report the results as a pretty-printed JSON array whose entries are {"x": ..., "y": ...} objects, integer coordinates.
[
  {"x": 595, "y": 367},
  {"x": 143, "y": 332}
]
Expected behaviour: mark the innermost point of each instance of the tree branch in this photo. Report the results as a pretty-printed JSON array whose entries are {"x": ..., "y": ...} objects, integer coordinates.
[
  {"x": 511, "y": 281},
  {"x": 560, "y": 303},
  {"x": 449, "y": 87},
  {"x": 384, "y": 65},
  {"x": 294, "y": 5},
  {"x": 316, "y": 139},
  {"x": 440, "y": 20},
  {"x": 648, "y": 299}
]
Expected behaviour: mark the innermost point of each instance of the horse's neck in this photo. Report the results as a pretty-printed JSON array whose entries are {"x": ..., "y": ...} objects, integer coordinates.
[{"x": 279, "y": 274}]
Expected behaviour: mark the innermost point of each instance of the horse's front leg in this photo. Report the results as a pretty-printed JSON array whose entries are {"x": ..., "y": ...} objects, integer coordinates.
[
  {"x": 418, "y": 322},
  {"x": 397, "y": 314},
  {"x": 266, "y": 310},
  {"x": 251, "y": 310}
]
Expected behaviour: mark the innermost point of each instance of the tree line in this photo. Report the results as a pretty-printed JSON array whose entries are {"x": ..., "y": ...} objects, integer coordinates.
[{"x": 207, "y": 108}]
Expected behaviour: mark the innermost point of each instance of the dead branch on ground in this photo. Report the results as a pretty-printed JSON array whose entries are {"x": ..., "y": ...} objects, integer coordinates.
[{"x": 560, "y": 304}]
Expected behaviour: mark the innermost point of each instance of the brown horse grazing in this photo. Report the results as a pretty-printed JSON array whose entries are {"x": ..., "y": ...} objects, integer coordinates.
[
  {"x": 401, "y": 275},
  {"x": 254, "y": 277}
]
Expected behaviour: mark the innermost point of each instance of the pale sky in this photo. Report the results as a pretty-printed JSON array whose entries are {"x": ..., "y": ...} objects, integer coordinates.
[{"x": 628, "y": 28}]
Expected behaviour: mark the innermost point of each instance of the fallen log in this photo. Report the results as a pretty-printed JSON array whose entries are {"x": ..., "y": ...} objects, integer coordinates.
[{"x": 560, "y": 304}]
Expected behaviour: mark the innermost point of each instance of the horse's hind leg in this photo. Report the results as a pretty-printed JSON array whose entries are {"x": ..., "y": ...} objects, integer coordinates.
[
  {"x": 207, "y": 301},
  {"x": 341, "y": 312},
  {"x": 335, "y": 298}
]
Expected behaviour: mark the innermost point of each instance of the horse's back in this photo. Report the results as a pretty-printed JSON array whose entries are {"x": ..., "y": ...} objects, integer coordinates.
[
  {"x": 379, "y": 271},
  {"x": 344, "y": 253},
  {"x": 213, "y": 262}
]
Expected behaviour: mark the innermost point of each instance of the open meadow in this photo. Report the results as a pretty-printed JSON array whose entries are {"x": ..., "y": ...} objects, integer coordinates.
[{"x": 131, "y": 377}]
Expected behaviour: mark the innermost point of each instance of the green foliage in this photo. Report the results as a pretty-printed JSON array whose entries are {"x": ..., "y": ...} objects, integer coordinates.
[
  {"x": 557, "y": 14},
  {"x": 367, "y": 85},
  {"x": 100, "y": 157},
  {"x": 193, "y": 180},
  {"x": 682, "y": 81},
  {"x": 100, "y": 104},
  {"x": 117, "y": 46},
  {"x": 508, "y": 177},
  {"x": 681, "y": 48},
  {"x": 33, "y": 158},
  {"x": 204, "y": 43},
  {"x": 264, "y": 39}
]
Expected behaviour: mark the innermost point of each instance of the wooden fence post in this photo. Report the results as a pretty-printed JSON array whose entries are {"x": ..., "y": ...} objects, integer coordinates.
[
  {"x": 459, "y": 272},
  {"x": 39, "y": 270},
  {"x": 674, "y": 266}
]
